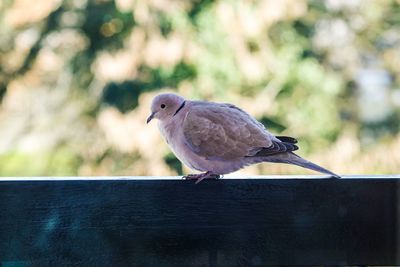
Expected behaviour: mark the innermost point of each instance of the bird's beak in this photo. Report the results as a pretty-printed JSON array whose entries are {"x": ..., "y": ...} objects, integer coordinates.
[{"x": 150, "y": 117}]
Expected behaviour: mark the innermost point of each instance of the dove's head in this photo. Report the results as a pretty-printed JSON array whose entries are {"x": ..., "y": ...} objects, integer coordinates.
[{"x": 165, "y": 106}]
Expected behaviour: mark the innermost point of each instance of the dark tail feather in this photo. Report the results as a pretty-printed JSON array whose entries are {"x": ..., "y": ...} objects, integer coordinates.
[
  {"x": 287, "y": 139},
  {"x": 292, "y": 158}
]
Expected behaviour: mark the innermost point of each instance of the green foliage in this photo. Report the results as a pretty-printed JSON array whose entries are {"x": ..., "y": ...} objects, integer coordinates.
[
  {"x": 173, "y": 163},
  {"x": 61, "y": 162},
  {"x": 272, "y": 124},
  {"x": 123, "y": 96},
  {"x": 105, "y": 26},
  {"x": 214, "y": 50},
  {"x": 170, "y": 77}
]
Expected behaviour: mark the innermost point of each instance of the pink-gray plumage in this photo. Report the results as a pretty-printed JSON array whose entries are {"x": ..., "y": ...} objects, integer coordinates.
[{"x": 219, "y": 138}]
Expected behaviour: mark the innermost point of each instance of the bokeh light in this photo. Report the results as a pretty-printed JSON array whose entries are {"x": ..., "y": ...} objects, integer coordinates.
[{"x": 77, "y": 79}]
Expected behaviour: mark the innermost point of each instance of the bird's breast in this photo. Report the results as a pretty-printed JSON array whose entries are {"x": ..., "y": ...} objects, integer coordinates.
[{"x": 173, "y": 135}]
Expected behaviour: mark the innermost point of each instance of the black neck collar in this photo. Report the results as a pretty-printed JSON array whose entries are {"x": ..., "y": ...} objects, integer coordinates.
[{"x": 181, "y": 107}]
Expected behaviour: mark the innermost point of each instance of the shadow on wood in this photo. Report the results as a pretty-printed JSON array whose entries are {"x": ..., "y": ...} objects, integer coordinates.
[{"x": 228, "y": 222}]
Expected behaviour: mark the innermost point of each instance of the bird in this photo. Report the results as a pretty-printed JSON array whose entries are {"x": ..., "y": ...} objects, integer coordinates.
[{"x": 220, "y": 138}]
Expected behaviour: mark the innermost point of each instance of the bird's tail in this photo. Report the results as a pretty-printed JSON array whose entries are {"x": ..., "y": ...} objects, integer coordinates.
[{"x": 292, "y": 158}]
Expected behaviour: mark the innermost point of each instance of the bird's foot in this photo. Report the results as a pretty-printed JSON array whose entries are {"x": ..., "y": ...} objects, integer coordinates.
[{"x": 201, "y": 176}]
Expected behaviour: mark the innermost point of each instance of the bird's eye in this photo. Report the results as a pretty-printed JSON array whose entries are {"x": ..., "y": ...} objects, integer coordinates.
[{"x": 162, "y": 106}]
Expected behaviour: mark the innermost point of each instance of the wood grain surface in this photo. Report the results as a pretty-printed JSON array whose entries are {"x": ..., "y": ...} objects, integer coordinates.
[{"x": 227, "y": 222}]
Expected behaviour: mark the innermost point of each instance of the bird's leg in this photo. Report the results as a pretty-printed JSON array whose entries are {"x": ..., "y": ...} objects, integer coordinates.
[{"x": 201, "y": 176}]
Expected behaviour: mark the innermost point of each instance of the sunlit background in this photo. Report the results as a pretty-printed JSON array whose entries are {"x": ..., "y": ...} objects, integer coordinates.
[{"x": 77, "y": 78}]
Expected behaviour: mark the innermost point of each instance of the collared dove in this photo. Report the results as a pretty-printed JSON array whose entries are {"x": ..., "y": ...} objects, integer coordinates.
[{"x": 218, "y": 138}]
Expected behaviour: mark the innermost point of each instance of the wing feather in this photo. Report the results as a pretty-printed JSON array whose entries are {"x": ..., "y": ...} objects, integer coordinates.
[
  {"x": 275, "y": 148},
  {"x": 221, "y": 131}
]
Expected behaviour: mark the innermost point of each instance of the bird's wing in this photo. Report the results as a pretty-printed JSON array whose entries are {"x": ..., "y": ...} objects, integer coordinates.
[{"x": 223, "y": 131}]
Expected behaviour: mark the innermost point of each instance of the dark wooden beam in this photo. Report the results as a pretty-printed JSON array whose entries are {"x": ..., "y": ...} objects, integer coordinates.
[{"x": 228, "y": 222}]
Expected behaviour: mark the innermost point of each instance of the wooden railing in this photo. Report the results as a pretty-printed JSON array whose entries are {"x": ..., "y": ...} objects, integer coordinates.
[{"x": 135, "y": 221}]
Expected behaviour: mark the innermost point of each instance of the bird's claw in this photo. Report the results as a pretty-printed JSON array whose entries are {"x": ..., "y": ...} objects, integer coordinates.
[
  {"x": 191, "y": 176},
  {"x": 201, "y": 176}
]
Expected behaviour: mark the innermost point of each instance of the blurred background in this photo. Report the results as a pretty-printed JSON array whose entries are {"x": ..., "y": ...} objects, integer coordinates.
[{"x": 77, "y": 78}]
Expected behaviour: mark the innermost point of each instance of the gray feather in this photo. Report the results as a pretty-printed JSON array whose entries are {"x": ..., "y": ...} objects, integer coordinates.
[{"x": 292, "y": 158}]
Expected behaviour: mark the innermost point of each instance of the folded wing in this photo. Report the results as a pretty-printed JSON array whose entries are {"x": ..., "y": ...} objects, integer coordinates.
[{"x": 223, "y": 131}]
